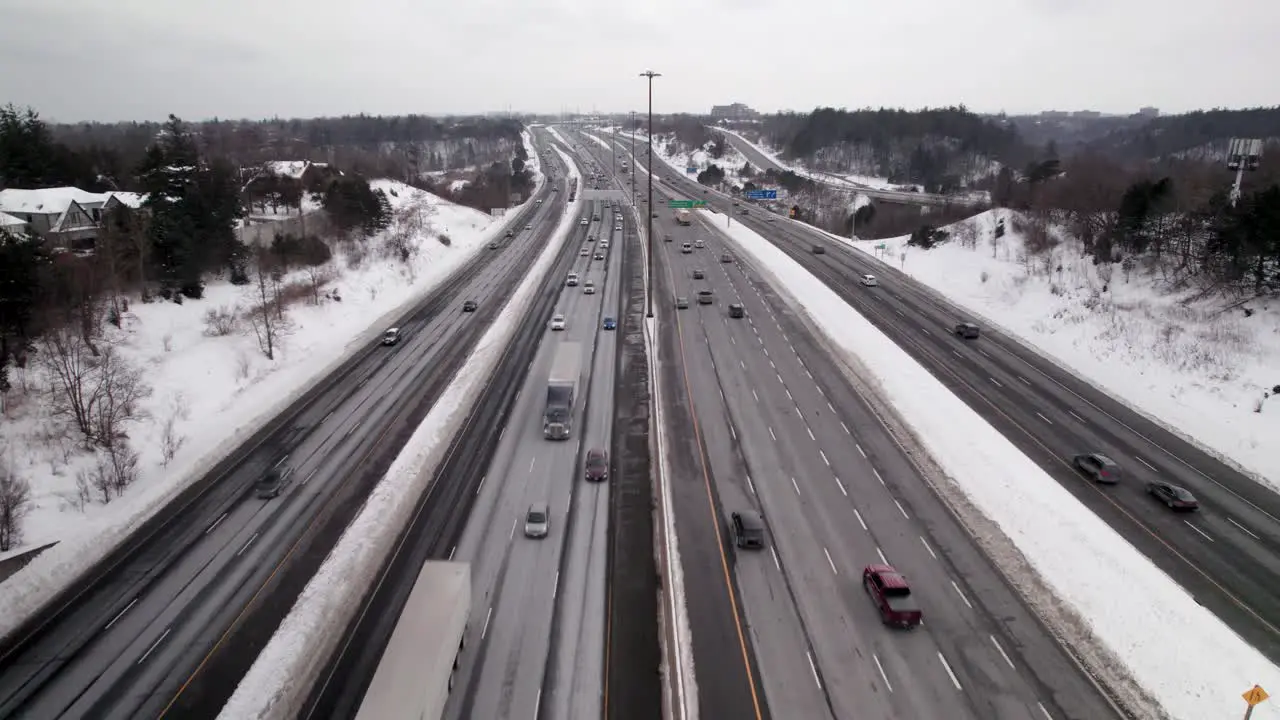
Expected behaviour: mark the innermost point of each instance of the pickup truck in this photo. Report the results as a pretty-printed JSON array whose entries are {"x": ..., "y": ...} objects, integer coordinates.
[{"x": 892, "y": 595}]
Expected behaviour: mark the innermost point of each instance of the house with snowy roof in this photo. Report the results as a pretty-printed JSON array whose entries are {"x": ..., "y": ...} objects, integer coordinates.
[
  {"x": 9, "y": 223},
  {"x": 66, "y": 217},
  {"x": 310, "y": 174}
]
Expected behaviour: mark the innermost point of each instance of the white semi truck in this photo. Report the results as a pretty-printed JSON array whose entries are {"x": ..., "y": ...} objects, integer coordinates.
[
  {"x": 416, "y": 672},
  {"x": 562, "y": 387},
  {"x": 684, "y": 217}
]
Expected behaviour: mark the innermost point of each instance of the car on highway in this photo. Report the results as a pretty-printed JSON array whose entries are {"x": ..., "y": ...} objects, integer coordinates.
[
  {"x": 589, "y": 288},
  {"x": 966, "y": 330},
  {"x": 557, "y": 321},
  {"x": 666, "y": 238},
  {"x": 819, "y": 250},
  {"x": 736, "y": 310},
  {"x": 617, "y": 228},
  {"x": 597, "y": 465},
  {"x": 494, "y": 245},
  {"x": 686, "y": 248},
  {"x": 698, "y": 274},
  {"x": 537, "y": 521},
  {"x": 736, "y": 203},
  {"x": 747, "y": 529},
  {"x": 699, "y": 244},
  {"x": 538, "y": 202},
  {"x": 705, "y": 297},
  {"x": 1099, "y": 467},
  {"x": 682, "y": 303},
  {"x": 1174, "y": 497},
  {"x": 869, "y": 280},
  {"x": 584, "y": 252},
  {"x": 511, "y": 233},
  {"x": 655, "y": 215},
  {"x": 469, "y": 306},
  {"x": 891, "y": 593},
  {"x": 572, "y": 280},
  {"x": 596, "y": 216},
  {"x": 610, "y": 324},
  {"x": 528, "y": 226},
  {"x": 599, "y": 256},
  {"x": 269, "y": 485},
  {"x": 584, "y": 221},
  {"x": 726, "y": 258},
  {"x": 744, "y": 211},
  {"x": 604, "y": 244}
]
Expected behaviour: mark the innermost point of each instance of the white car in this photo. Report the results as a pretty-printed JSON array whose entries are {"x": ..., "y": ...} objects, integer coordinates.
[
  {"x": 584, "y": 252},
  {"x": 585, "y": 222},
  {"x": 589, "y": 288},
  {"x": 699, "y": 244},
  {"x": 557, "y": 321},
  {"x": 617, "y": 228},
  {"x": 868, "y": 280}
]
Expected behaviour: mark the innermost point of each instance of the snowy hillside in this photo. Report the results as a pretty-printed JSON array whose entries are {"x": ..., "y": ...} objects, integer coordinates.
[
  {"x": 208, "y": 378},
  {"x": 1201, "y": 367}
]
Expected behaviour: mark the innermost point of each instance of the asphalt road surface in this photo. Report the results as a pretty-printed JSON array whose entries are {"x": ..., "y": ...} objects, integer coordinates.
[
  {"x": 135, "y": 641},
  {"x": 538, "y": 614},
  {"x": 1227, "y": 555},
  {"x": 780, "y": 431}
]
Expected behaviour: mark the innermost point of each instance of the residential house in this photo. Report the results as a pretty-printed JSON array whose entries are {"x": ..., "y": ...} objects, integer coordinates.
[
  {"x": 11, "y": 224},
  {"x": 66, "y": 217}
]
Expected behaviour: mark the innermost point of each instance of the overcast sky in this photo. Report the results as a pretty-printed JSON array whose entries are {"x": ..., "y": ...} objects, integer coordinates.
[{"x": 142, "y": 59}]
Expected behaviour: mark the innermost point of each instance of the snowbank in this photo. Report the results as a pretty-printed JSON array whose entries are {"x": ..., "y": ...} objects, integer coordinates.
[
  {"x": 1190, "y": 366},
  {"x": 556, "y": 134},
  {"x": 598, "y": 141},
  {"x": 1197, "y": 672},
  {"x": 218, "y": 390},
  {"x": 282, "y": 676}
]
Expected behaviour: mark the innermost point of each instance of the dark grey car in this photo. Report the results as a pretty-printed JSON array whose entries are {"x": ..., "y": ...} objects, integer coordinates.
[
  {"x": 747, "y": 528},
  {"x": 270, "y": 485},
  {"x": 967, "y": 330},
  {"x": 1099, "y": 467}
]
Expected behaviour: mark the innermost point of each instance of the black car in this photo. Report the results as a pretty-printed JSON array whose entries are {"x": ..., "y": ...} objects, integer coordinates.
[
  {"x": 747, "y": 528},
  {"x": 698, "y": 275},
  {"x": 966, "y": 330},
  {"x": 726, "y": 258},
  {"x": 469, "y": 306},
  {"x": 1099, "y": 467},
  {"x": 736, "y": 310},
  {"x": 819, "y": 250},
  {"x": 270, "y": 485},
  {"x": 1176, "y": 498},
  {"x": 597, "y": 465}
]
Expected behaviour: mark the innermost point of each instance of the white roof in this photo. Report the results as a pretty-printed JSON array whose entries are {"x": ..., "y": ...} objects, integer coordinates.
[
  {"x": 290, "y": 168},
  {"x": 128, "y": 199},
  {"x": 46, "y": 201},
  {"x": 7, "y": 220}
]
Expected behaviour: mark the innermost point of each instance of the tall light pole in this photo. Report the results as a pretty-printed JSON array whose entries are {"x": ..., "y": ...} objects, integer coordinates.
[
  {"x": 649, "y": 210},
  {"x": 632, "y": 180}
]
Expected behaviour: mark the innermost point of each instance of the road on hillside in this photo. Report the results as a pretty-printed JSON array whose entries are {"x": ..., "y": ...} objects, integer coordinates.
[
  {"x": 172, "y": 625},
  {"x": 759, "y": 417},
  {"x": 1227, "y": 555}
]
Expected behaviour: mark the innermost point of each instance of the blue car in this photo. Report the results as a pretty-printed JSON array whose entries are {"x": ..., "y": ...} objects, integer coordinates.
[{"x": 610, "y": 324}]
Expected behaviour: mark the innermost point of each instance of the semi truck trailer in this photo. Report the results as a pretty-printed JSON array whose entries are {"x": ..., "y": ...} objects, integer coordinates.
[
  {"x": 684, "y": 217},
  {"x": 562, "y": 389}
]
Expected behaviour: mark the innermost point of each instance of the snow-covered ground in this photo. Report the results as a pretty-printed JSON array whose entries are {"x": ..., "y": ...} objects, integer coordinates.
[
  {"x": 281, "y": 677},
  {"x": 868, "y": 181},
  {"x": 1195, "y": 367},
  {"x": 556, "y": 134},
  {"x": 215, "y": 390},
  {"x": 1195, "y": 673}
]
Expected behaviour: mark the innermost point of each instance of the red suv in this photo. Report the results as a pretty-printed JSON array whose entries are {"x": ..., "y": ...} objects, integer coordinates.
[{"x": 892, "y": 596}]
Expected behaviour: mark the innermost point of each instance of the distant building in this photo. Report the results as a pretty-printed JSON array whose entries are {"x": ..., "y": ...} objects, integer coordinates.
[
  {"x": 732, "y": 111},
  {"x": 1086, "y": 114},
  {"x": 1055, "y": 114},
  {"x": 66, "y": 217},
  {"x": 1149, "y": 112}
]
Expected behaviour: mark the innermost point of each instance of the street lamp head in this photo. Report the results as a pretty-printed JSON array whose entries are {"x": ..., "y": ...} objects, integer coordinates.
[{"x": 650, "y": 74}]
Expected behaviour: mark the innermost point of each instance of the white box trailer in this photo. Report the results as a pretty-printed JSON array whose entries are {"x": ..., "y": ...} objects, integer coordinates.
[{"x": 416, "y": 672}]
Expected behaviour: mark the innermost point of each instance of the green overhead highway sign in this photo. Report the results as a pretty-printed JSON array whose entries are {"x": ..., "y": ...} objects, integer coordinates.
[{"x": 686, "y": 204}]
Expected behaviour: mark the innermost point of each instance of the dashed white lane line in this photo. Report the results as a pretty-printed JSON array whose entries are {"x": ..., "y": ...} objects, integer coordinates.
[
  {"x": 902, "y": 510},
  {"x": 883, "y": 559},
  {"x": 814, "y": 668},
  {"x": 794, "y": 485},
  {"x": 959, "y": 592},
  {"x": 860, "y": 451},
  {"x": 846, "y": 432},
  {"x": 830, "y": 407},
  {"x": 532, "y": 461},
  {"x": 487, "y": 617},
  {"x": 995, "y": 382},
  {"x": 775, "y": 437},
  {"x": 860, "y": 520},
  {"x": 1046, "y": 712},
  {"x": 766, "y": 352},
  {"x": 950, "y": 673},
  {"x": 1203, "y": 534},
  {"x": 779, "y": 376},
  {"x": 1042, "y": 417},
  {"x": 1072, "y": 414},
  {"x": 750, "y": 485},
  {"x": 754, "y": 395},
  {"x": 742, "y": 365},
  {"x": 810, "y": 431},
  {"x": 776, "y": 563},
  {"x": 953, "y": 352},
  {"x": 733, "y": 432},
  {"x": 883, "y": 677},
  {"x": 932, "y": 554},
  {"x": 926, "y": 331},
  {"x": 843, "y": 491},
  {"x": 1025, "y": 381},
  {"x": 877, "y": 474},
  {"x": 1144, "y": 462},
  {"x": 513, "y": 529},
  {"x": 824, "y": 458},
  {"x": 1243, "y": 528},
  {"x": 830, "y": 562},
  {"x": 1001, "y": 651}
]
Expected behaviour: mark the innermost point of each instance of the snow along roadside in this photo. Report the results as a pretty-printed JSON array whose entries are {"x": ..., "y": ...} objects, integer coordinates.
[
  {"x": 28, "y": 591},
  {"x": 1196, "y": 673},
  {"x": 280, "y": 679}
]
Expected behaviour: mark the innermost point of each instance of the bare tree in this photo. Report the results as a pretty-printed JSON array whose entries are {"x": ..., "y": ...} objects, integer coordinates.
[
  {"x": 100, "y": 394},
  {"x": 171, "y": 441},
  {"x": 317, "y": 276},
  {"x": 14, "y": 494},
  {"x": 266, "y": 314}
]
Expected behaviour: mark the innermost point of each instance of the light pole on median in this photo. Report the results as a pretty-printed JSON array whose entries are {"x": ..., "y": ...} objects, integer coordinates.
[
  {"x": 632, "y": 180},
  {"x": 649, "y": 209}
]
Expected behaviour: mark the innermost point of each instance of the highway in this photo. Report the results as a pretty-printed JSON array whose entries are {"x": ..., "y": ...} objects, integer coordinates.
[
  {"x": 759, "y": 417},
  {"x": 1226, "y": 555},
  {"x": 180, "y": 612}
]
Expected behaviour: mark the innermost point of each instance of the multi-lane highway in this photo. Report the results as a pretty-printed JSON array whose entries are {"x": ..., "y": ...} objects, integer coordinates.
[
  {"x": 760, "y": 418},
  {"x": 165, "y": 626},
  {"x": 1227, "y": 555}
]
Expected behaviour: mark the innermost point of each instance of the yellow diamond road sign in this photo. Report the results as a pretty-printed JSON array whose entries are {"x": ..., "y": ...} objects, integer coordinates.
[{"x": 1255, "y": 695}]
